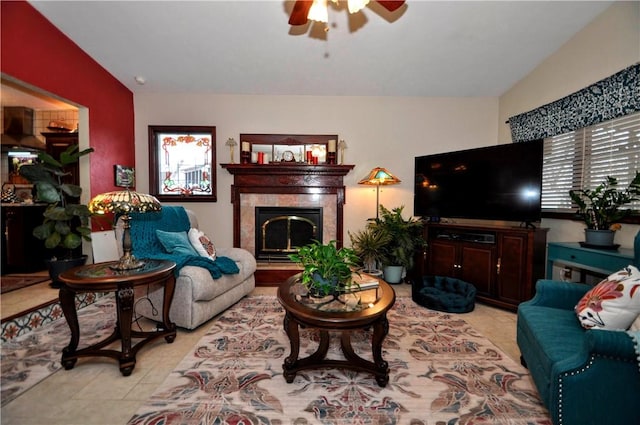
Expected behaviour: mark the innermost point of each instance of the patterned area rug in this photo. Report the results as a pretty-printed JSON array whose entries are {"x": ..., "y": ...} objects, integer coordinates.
[
  {"x": 443, "y": 372},
  {"x": 29, "y": 358},
  {"x": 11, "y": 283}
]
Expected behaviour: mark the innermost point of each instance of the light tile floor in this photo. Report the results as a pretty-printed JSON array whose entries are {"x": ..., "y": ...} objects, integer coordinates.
[{"x": 95, "y": 392}]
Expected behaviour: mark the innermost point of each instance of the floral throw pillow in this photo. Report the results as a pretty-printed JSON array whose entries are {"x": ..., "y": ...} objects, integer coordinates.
[
  {"x": 612, "y": 304},
  {"x": 202, "y": 244}
]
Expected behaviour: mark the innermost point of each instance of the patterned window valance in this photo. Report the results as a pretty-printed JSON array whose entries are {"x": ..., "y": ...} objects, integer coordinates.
[{"x": 613, "y": 97}]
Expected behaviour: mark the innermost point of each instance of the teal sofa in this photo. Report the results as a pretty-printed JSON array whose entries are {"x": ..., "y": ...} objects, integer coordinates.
[{"x": 583, "y": 376}]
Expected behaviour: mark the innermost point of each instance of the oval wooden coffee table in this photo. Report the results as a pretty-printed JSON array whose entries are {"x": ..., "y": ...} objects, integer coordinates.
[{"x": 346, "y": 319}]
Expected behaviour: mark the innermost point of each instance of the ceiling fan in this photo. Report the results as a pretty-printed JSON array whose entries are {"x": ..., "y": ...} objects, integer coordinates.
[{"x": 300, "y": 12}]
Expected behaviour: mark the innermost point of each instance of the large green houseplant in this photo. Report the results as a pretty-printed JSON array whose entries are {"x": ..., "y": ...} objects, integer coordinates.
[
  {"x": 405, "y": 239},
  {"x": 369, "y": 245},
  {"x": 327, "y": 270},
  {"x": 66, "y": 220},
  {"x": 600, "y": 208}
]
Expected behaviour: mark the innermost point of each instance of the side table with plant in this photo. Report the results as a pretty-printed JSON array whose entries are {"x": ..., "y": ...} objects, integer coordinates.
[
  {"x": 66, "y": 221},
  {"x": 600, "y": 208}
]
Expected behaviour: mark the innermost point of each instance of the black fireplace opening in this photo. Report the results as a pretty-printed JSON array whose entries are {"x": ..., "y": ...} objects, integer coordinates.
[{"x": 281, "y": 230}]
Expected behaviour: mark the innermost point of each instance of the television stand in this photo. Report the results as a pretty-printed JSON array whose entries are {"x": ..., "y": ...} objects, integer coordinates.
[{"x": 503, "y": 263}]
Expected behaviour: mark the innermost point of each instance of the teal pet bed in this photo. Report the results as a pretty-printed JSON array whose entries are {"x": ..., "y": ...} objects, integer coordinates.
[{"x": 444, "y": 294}]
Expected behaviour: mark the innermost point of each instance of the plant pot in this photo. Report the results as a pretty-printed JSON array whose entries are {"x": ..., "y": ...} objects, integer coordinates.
[
  {"x": 393, "y": 274},
  {"x": 372, "y": 272},
  {"x": 57, "y": 267},
  {"x": 599, "y": 237}
]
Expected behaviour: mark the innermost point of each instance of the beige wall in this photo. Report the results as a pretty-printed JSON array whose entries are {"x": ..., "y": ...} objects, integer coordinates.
[
  {"x": 379, "y": 131},
  {"x": 607, "y": 45},
  {"x": 390, "y": 131}
]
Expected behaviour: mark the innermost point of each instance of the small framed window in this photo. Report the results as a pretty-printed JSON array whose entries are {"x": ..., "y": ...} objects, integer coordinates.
[{"x": 182, "y": 163}]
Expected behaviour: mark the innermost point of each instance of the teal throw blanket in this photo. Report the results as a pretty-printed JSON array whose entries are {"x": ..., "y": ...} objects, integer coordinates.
[{"x": 172, "y": 219}]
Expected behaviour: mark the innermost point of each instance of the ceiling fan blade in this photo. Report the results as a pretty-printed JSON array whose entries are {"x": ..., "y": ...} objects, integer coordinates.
[
  {"x": 300, "y": 12},
  {"x": 391, "y": 5}
]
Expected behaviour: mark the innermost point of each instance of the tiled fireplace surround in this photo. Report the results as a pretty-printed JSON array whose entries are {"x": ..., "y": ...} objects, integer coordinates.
[{"x": 287, "y": 185}]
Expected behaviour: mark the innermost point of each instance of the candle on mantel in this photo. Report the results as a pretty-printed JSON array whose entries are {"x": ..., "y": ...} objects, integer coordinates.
[
  {"x": 246, "y": 147},
  {"x": 332, "y": 146}
]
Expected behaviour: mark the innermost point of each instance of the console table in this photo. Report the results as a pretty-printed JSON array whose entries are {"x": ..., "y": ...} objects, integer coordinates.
[{"x": 598, "y": 261}]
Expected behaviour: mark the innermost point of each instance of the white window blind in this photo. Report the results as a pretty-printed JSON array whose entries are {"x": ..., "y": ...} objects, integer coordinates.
[{"x": 583, "y": 158}]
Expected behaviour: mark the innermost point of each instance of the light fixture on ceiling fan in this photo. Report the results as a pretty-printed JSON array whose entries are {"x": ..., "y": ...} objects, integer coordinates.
[{"x": 317, "y": 10}]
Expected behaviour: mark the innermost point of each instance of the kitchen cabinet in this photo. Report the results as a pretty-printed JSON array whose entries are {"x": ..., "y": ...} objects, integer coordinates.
[
  {"x": 56, "y": 143},
  {"x": 21, "y": 251},
  {"x": 503, "y": 263}
]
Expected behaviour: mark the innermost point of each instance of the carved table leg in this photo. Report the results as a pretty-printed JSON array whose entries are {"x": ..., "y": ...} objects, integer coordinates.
[
  {"x": 169, "y": 289},
  {"x": 67, "y": 302},
  {"x": 380, "y": 331},
  {"x": 124, "y": 306},
  {"x": 291, "y": 328}
]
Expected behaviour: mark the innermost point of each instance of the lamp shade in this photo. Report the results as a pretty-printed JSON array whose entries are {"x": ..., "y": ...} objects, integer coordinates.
[
  {"x": 380, "y": 176},
  {"x": 123, "y": 202}
]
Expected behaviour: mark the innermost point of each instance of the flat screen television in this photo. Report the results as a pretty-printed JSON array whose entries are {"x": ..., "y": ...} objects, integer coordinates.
[{"x": 502, "y": 182}]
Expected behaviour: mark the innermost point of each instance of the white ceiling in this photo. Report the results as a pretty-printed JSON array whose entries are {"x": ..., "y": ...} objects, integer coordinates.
[{"x": 427, "y": 48}]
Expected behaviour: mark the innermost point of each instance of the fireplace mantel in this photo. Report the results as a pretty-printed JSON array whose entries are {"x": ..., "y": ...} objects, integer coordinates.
[
  {"x": 287, "y": 178},
  {"x": 284, "y": 179}
]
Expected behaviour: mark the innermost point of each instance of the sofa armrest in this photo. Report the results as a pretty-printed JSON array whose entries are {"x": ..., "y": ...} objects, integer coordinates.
[
  {"x": 617, "y": 344},
  {"x": 558, "y": 294}
]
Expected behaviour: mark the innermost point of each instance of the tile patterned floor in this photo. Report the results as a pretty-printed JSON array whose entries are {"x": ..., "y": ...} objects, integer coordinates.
[{"x": 95, "y": 392}]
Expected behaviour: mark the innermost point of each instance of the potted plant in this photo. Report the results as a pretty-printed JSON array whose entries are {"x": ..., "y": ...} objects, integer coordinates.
[
  {"x": 406, "y": 238},
  {"x": 368, "y": 244},
  {"x": 66, "y": 221},
  {"x": 600, "y": 209},
  {"x": 326, "y": 270}
]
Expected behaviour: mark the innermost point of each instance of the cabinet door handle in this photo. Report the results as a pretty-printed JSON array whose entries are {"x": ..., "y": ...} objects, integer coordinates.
[{"x": 498, "y": 265}]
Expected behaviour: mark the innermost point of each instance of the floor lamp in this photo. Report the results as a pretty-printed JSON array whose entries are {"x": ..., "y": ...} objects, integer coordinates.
[{"x": 379, "y": 176}]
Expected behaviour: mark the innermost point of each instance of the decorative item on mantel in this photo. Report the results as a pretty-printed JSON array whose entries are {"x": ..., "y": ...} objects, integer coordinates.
[
  {"x": 245, "y": 154},
  {"x": 342, "y": 145},
  {"x": 123, "y": 203},
  {"x": 232, "y": 144},
  {"x": 600, "y": 209},
  {"x": 331, "y": 152}
]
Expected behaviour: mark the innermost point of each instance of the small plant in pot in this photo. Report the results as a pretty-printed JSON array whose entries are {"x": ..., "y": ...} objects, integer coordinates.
[
  {"x": 369, "y": 244},
  {"x": 326, "y": 269},
  {"x": 406, "y": 238},
  {"x": 600, "y": 209},
  {"x": 66, "y": 221}
]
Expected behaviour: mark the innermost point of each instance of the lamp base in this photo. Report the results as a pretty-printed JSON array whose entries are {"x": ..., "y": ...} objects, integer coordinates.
[{"x": 127, "y": 262}]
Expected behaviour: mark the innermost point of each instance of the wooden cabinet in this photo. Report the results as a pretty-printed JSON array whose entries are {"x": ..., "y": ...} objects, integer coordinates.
[
  {"x": 503, "y": 263},
  {"x": 21, "y": 251},
  {"x": 59, "y": 142}
]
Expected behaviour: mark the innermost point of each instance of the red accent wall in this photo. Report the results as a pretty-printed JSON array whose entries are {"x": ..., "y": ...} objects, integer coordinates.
[{"x": 37, "y": 53}]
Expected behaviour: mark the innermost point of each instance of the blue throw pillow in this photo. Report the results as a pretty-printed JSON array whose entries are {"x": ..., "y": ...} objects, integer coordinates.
[{"x": 176, "y": 242}]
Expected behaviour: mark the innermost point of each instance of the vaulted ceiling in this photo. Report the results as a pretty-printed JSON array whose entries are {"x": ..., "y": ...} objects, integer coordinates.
[{"x": 425, "y": 48}]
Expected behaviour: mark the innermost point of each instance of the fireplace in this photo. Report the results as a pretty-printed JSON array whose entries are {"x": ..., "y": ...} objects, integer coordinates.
[
  {"x": 285, "y": 185},
  {"x": 280, "y": 230}
]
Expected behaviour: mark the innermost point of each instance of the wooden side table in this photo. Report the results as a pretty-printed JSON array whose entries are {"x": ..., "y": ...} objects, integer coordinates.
[
  {"x": 372, "y": 314},
  {"x": 101, "y": 278}
]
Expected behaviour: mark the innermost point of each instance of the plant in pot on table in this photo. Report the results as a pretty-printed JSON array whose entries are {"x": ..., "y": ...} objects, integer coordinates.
[
  {"x": 405, "y": 239},
  {"x": 600, "y": 209},
  {"x": 66, "y": 221},
  {"x": 327, "y": 270}
]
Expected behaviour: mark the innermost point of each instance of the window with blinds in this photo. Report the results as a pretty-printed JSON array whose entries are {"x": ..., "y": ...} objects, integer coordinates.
[{"x": 583, "y": 158}]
